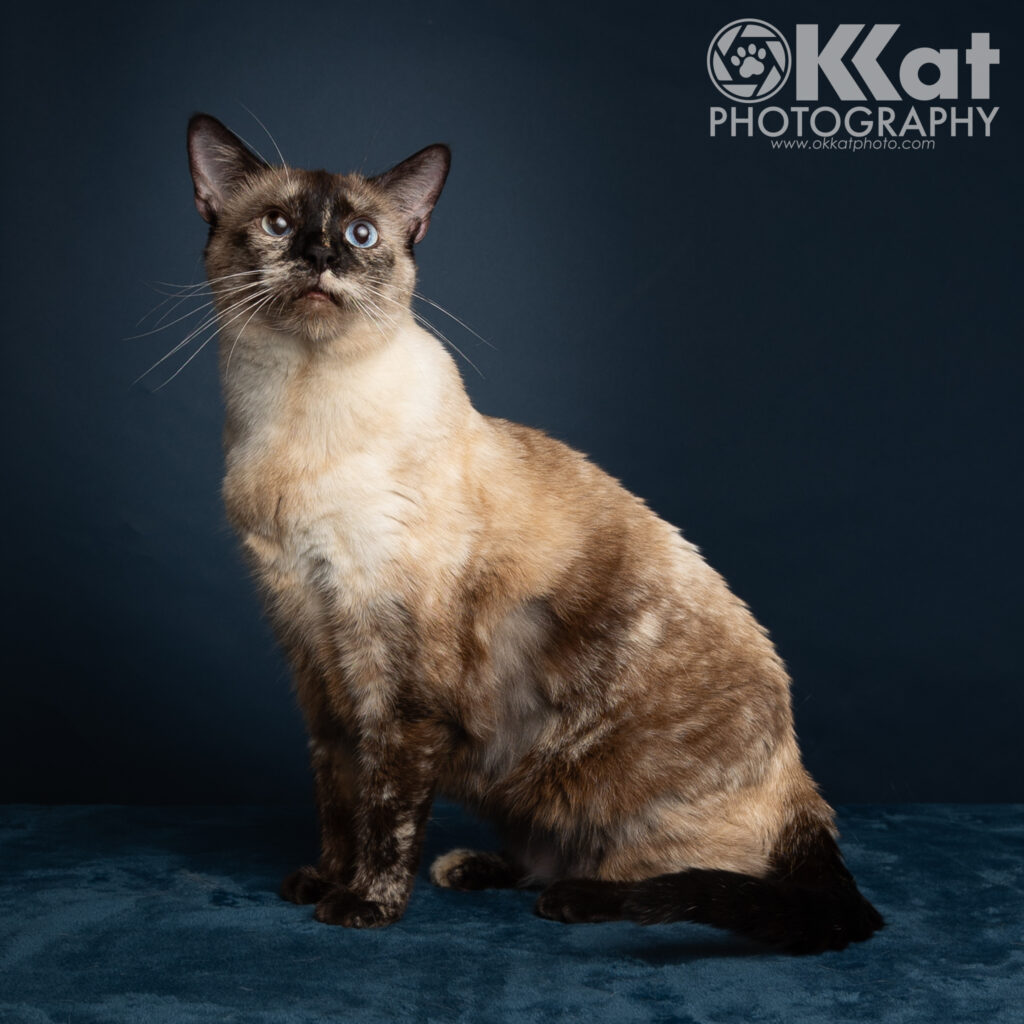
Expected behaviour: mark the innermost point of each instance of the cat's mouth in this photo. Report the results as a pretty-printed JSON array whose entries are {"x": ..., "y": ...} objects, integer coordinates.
[{"x": 317, "y": 296}]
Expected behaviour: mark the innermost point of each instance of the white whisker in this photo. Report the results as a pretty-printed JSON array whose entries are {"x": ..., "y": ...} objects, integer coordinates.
[
  {"x": 380, "y": 312},
  {"x": 268, "y": 300},
  {"x": 183, "y": 292},
  {"x": 200, "y": 285},
  {"x": 461, "y": 323},
  {"x": 206, "y": 341},
  {"x": 369, "y": 316},
  {"x": 424, "y": 322},
  {"x": 433, "y": 329},
  {"x": 273, "y": 141},
  {"x": 161, "y": 326},
  {"x": 209, "y": 321}
]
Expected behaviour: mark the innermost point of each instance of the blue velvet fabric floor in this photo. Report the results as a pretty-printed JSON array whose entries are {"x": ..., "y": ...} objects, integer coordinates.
[{"x": 161, "y": 915}]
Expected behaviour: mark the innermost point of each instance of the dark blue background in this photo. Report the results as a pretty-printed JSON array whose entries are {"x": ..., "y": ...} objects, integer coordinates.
[{"x": 809, "y": 361}]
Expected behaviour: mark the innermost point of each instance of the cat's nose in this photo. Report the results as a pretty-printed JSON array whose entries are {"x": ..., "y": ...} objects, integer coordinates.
[{"x": 321, "y": 257}]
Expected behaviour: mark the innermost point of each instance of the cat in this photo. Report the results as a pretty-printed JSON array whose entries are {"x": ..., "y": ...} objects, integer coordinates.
[{"x": 472, "y": 608}]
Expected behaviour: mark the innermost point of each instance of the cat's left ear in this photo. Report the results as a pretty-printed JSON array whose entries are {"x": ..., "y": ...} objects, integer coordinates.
[{"x": 415, "y": 184}]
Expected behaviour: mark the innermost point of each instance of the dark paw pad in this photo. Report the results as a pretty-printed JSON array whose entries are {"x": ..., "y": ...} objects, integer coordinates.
[
  {"x": 580, "y": 901},
  {"x": 304, "y": 886},
  {"x": 344, "y": 907}
]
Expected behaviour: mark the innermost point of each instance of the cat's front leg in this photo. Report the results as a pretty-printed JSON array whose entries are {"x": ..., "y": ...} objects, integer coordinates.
[
  {"x": 398, "y": 765},
  {"x": 334, "y": 778}
]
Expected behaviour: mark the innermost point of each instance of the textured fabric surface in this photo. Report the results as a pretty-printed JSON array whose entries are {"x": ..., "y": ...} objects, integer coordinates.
[{"x": 169, "y": 914}]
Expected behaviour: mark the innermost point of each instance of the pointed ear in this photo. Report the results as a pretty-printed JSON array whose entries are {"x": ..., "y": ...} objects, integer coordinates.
[
  {"x": 415, "y": 184},
  {"x": 219, "y": 161}
]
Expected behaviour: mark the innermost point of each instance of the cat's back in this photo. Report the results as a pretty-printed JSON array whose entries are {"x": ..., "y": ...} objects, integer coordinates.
[
  {"x": 601, "y": 555},
  {"x": 545, "y": 490}
]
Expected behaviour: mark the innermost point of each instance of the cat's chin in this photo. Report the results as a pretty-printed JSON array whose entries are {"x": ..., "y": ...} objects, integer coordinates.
[
  {"x": 316, "y": 309},
  {"x": 318, "y": 316}
]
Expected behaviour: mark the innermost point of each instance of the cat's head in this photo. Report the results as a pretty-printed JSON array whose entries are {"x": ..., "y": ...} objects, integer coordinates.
[{"x": 309, "y": 252}]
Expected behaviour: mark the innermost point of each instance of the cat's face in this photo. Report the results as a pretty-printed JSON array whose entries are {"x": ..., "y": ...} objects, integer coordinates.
[{"x": 308, "y": 252}]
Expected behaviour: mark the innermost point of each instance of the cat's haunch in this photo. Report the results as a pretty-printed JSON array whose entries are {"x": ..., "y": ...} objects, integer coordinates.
[{"x": 474, "y": 609}]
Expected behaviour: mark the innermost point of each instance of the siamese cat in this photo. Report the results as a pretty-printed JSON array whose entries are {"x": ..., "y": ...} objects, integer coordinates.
[{"x": 471, "y": 608}]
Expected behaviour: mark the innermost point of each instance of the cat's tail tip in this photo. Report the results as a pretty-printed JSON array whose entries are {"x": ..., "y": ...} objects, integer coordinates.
[
  {"x": 796, "y": 919},
  {"x": 809, "y": 903}
]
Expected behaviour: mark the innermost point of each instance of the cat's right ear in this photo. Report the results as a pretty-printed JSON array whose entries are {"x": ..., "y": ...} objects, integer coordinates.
[{"x": 219, "y": 161}]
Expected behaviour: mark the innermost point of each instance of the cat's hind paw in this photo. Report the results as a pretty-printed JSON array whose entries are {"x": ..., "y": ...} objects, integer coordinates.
[{"x": 472, "y": 870}]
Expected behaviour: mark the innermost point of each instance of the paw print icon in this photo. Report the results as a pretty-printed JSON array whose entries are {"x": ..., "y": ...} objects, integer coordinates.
[
  {"x": 749, "y": 60},
  {"x": 748, "y": 64}
]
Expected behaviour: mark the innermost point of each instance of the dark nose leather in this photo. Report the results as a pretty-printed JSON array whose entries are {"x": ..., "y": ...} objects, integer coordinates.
[{"x": 320, "y": 256}]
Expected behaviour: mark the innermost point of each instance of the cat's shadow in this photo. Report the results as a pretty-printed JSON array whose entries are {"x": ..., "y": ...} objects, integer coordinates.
[{"x": 667, "y": 954}]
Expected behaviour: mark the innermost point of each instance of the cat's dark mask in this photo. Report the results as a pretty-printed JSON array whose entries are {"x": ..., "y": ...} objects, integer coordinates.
[{"x": 309, "y": 251}]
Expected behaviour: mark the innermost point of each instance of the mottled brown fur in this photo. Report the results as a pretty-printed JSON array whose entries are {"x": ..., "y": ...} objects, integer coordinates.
[{"x": 470, "y": 607}]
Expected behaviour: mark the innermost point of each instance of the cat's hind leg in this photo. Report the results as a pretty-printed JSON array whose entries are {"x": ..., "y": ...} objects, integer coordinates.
[{"x": 471, "y": 870}]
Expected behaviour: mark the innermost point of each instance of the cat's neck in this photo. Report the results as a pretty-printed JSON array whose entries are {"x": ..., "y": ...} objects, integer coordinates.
[{"x": 365, "y": 386}]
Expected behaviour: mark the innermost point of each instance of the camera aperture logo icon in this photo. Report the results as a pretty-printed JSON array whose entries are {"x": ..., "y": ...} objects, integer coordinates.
[{"x": 749, "y": 60}]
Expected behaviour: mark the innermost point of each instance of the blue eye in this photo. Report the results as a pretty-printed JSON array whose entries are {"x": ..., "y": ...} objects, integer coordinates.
[
  {"x": 361, "y": 233},
  {"x": 276, "y": 224}
]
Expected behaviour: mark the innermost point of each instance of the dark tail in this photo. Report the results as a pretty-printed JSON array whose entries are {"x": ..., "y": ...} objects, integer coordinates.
[{"x": 808, "y": 903}]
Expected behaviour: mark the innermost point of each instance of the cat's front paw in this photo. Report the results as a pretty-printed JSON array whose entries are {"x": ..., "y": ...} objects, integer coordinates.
[
  {"x": 344, "y": 907},
  {"x": 304, "y": 886}
]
